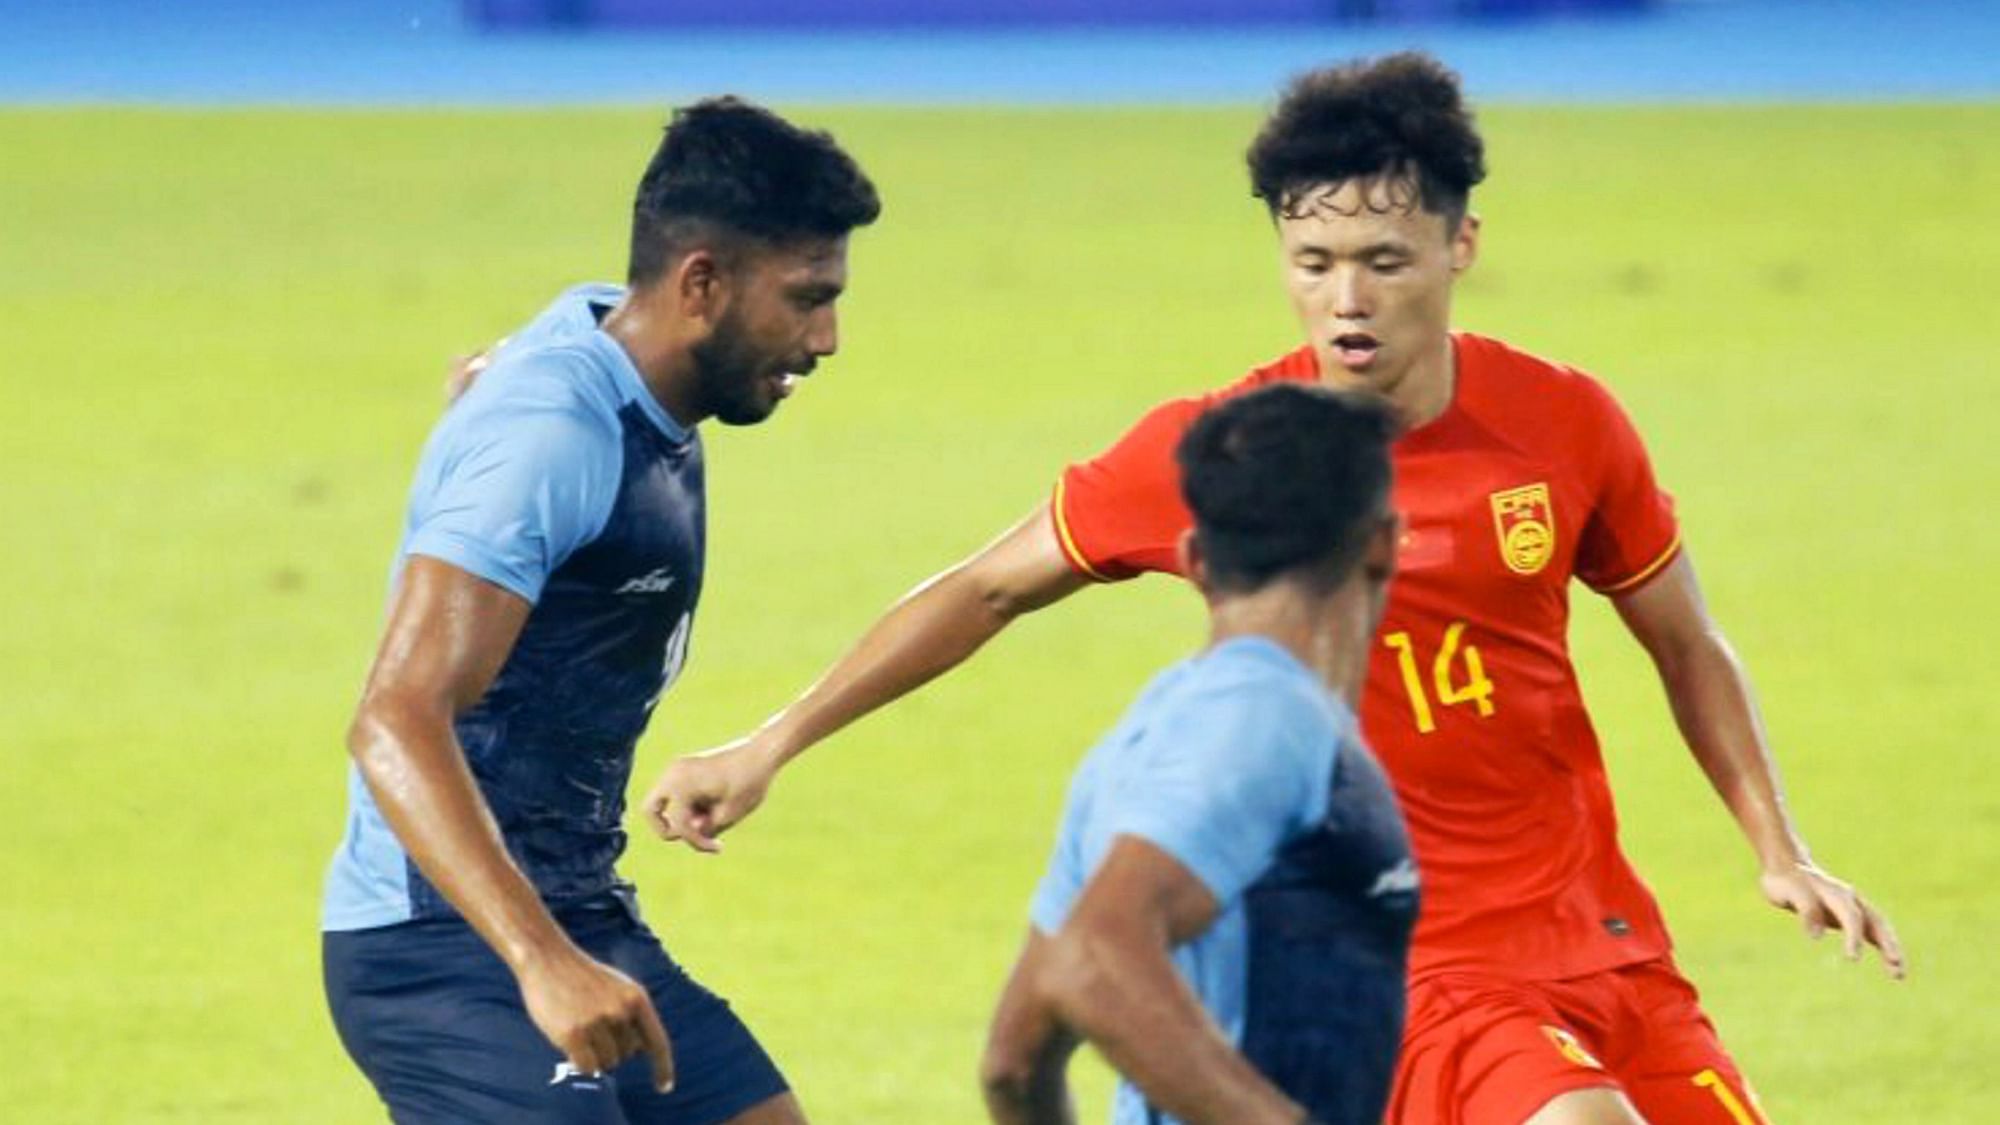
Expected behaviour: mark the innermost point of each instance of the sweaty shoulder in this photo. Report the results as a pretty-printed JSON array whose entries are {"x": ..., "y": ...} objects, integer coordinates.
[{"x": 1120, "y": 514}]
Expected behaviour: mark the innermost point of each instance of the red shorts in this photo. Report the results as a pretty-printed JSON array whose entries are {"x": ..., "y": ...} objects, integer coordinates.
[{"x": 1487, "y": 1050}]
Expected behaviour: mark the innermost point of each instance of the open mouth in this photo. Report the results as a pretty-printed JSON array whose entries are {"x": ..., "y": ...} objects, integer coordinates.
[
  {"x": 785, "y": 380},
  {"x": 1356, "y": 350}
]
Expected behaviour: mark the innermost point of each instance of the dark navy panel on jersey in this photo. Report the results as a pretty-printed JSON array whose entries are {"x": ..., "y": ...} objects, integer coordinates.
[
  {"x": 1329, "y": 929},
  {"x": 1240, "y": 765},
  {"x": 559, "y": 477}
]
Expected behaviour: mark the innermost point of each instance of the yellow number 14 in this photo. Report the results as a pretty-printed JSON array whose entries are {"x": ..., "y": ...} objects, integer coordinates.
[{"x": 1476, "y": 688}]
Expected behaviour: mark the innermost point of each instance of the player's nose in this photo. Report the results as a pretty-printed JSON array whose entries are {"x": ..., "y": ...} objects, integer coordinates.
[
  {"x": 823, "y": 334},
  {"x": 1353, "y": 297}
]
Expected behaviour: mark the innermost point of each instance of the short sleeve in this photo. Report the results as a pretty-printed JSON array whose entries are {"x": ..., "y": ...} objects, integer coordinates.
[
  {"x": 1120, "y": 514},
  {"x": 1226, "y": 784},
  {"x": 508, "y": 491},
  {"x": 1631, "y": 534}
]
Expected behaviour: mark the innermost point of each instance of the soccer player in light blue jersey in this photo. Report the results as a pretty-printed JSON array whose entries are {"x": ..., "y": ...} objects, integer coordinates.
[
  {"x": 484, "y": 962},
  {"x": 1228, "y": 909}
]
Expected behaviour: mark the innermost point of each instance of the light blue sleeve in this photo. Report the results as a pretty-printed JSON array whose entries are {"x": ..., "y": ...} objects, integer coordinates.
[
  {"x": 1063, "y": 881},
  {"x": 569, "y": 315},
  {"x": 515, "y": 482},
  {"x": 1227, "y": 782}
]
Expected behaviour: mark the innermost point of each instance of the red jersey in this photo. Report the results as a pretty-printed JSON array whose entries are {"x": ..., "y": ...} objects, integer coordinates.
[{"x": 1532, "y": 476}]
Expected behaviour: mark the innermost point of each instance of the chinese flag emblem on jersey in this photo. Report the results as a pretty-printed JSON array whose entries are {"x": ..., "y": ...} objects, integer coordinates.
[{"x": 1525, "y": 521}]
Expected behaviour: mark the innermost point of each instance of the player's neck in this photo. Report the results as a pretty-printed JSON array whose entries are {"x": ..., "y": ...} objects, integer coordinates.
[
  {"x": 662, "y": 360},
  {"x": 1429, "y": 387},
  {"x": 1326, "y": 632}
]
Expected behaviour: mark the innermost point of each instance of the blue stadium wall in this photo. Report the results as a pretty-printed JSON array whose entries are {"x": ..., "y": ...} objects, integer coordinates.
[{"x": 1008, "y": 13}]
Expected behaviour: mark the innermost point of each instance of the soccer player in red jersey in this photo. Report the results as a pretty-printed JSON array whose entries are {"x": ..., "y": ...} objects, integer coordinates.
[{"x": 1542, "y": 985}]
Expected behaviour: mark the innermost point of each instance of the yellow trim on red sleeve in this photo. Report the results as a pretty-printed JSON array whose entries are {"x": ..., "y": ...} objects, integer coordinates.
[
  {"x": 1068, "y": 542},
  {"x": 1650, "y": 569}
]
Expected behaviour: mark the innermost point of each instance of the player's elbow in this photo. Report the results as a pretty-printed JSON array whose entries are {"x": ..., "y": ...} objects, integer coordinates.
[
  {"x": 980, "y": 585},
  {"x": 367, "y": 731},
  {"x": 1079, "y": 982},
  {"x": 380, "y": 725}
]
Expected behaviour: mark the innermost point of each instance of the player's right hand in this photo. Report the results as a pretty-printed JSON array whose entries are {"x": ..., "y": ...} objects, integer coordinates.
[
  {"x": 595, "y": 1015},
  {"x": 701, "y": 796}
]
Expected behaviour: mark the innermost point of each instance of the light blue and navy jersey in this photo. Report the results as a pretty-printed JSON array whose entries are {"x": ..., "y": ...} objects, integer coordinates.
[
  {"x": 561, "y": 478},
  {"x": 1245, "y": 769}
]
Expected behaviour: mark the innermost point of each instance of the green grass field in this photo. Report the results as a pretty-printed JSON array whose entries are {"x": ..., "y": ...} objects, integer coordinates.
[{"x": 223, "y": 334}]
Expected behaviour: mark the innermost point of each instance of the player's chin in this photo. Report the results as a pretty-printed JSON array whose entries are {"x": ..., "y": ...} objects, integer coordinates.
[
  {"x": 744, "y": 415},
  {"x": 750, "y": 409}
]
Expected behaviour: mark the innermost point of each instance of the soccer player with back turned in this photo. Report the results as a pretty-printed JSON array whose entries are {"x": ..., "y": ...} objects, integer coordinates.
[
  {"x": 1542, "y": 985},
  {"x": 483, "y": 960},
  {"x": 1228, "y": 909}
]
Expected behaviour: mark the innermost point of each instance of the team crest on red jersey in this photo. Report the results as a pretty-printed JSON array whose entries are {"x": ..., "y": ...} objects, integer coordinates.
[{"x": 1525, "y": 520}]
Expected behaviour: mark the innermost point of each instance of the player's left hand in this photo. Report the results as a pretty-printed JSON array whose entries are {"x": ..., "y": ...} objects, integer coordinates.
[
  {"x": 1824, "y": 902},
  {"x": 465, "y": 370}
]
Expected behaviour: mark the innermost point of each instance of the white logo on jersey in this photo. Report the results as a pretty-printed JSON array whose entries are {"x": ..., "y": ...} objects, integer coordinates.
[
  {"x": 658, "y": 582},
  {"x": 565, "y": 1071},
  {"x": 1401, "y": 878}
]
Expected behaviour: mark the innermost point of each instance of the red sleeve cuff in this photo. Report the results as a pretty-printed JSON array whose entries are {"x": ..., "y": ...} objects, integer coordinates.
[
  {"x": 1645, "y": 573},
  {"x": 1067, "y": 541}
]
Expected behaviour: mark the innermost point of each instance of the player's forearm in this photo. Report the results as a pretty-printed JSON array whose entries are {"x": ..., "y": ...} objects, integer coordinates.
[
  {"x": 1716, "y": 711},
  {"x": 417, "y": 774},
  {"x": 930, "y": 631},
  {"x": 1122, "y": 994},
  {"x": 933, "y": 629}
]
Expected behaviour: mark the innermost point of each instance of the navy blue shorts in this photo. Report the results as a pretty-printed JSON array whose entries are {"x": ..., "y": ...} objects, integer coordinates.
[{"x": 435, "y": 1020}]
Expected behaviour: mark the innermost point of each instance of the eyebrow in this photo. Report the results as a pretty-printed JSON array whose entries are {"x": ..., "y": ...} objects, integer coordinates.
[
  {"x": 1376, "y": 249},
  {"x": 1372, "y": 250}
]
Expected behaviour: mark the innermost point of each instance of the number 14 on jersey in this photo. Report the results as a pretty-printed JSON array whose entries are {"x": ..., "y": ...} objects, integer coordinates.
[{"x": 1450, "y": 688}]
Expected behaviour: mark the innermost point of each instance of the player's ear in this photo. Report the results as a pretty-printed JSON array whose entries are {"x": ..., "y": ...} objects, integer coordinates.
[
  {"x": 1187, "y": 552},
  {"x": 700, "y": 284},
  {"x": 1465, "y": 243},
  {"x": 1379, "y": 561}
]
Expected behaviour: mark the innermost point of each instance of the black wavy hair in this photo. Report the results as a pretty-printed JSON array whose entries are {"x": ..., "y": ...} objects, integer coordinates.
[
  {"x": 730, "y": 168},
  {"x": 1284, "y": 480},
  {"x": 1400, "y": 117}
]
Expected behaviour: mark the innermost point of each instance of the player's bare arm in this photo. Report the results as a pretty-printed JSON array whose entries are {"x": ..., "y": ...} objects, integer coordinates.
[
  {"x": 1712, "y": 703},
  {"x": 1025, "y": 1070},
  {"x": 448, "y": 635},
  {"x": 931, "y": 630},
  {"x": 1106, "y": 977}
]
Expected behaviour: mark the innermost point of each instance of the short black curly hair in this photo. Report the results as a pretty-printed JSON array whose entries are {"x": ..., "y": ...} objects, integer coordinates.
[
  {"x": 731, "y": 168},
  {"x": 1285, "y": 481},
  {"x": 1401, "y": 117}
]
